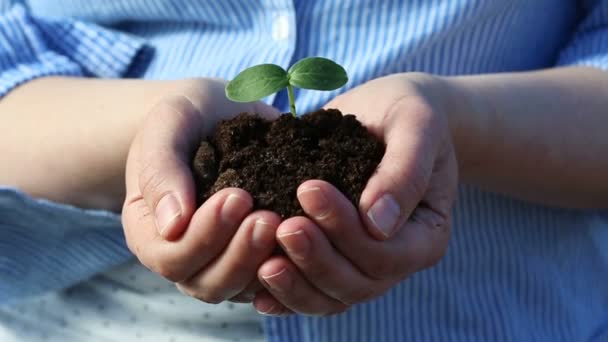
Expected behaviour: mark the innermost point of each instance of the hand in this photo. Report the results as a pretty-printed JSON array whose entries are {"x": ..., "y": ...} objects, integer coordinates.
[
  {"x": 339, "y": 256},
  {"x": 212, "y": 252}
]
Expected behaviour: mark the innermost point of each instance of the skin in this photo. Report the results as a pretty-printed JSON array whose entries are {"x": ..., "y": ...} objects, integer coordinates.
[
  {"x": 437, "y": 130},
  {"x": 90, "y": 121}
]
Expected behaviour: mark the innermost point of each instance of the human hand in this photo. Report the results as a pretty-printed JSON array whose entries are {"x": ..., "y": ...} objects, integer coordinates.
[
  {"x": 212, "y": 252},
  {"x": 339, "y": 256}
]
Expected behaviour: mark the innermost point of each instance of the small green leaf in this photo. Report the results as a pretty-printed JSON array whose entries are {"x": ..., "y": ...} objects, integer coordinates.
[
  {"x": 257, "y": 82},
  {"x": 317, "y": 73}
]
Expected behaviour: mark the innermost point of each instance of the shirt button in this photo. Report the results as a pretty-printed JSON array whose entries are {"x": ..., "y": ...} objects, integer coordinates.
[{"x": 280, "y": 27}]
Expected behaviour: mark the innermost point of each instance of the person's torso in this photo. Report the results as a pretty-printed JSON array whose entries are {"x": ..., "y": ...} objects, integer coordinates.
[
  {"x": 514, "y": 271},
  {"x": 370, "y": 38}
]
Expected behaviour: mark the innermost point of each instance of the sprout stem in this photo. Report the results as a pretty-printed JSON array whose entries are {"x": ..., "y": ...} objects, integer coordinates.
[{"x": 292, "y": 102}]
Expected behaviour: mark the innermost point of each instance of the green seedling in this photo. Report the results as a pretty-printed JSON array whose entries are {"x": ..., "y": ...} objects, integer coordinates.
[{"x": 259, "y": 81}]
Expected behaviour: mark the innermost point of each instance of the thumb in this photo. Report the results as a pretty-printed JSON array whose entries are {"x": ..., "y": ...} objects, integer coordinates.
[
  {"x": 401, "y": 180},
  {"x": 214, "y": 101},
  {"x": 158, "y": 169},
  {"x": 161, "y": 171}
]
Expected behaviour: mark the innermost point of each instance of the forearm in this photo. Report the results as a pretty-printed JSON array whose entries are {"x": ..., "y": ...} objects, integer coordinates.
[
  {"x": 539, "y": 136},
  {"x": 66, "y": 139}
]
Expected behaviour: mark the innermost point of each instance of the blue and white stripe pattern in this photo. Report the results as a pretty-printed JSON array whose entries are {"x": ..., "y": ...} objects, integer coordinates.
[
  {"x": 514, "y": 271},
  {"x": 41, "y": 240},
  {"x": 36, "y": 47}
]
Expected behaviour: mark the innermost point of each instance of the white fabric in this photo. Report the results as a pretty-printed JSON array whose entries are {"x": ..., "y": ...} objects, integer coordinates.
[{"x": 128, "y": 303}]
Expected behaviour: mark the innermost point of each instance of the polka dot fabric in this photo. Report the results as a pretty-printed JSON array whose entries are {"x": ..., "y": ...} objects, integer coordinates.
[{"x": 129, "y": 303}]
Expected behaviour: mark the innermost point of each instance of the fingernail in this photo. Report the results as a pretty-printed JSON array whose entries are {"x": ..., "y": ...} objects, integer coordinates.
[
  {"x": 384, "y": 214},
  {"x": 259, "y": 237},
  {"x": 296, "y": 243},
  {"x": 234, "y": 208},
  {"x": 314, "y": 202},
  {"x": 279, "y": 282},
  {"x": 167, "y": 211}
]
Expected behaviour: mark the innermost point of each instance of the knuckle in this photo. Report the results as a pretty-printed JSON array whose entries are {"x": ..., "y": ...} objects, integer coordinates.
[
  {"x": 133, "y": 216},
  {"x": 416, "y": 186},
  {"x": 327, "y": 215},
  {"x": 180, "y": 102},
  {"x": 433, "y": 218},
  {"x": 193, "y": 88},
  {"x": 150, "y": 180}
]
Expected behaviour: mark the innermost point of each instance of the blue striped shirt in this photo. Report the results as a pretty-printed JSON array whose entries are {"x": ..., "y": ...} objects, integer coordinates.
[{"x": 514, "y": 271}]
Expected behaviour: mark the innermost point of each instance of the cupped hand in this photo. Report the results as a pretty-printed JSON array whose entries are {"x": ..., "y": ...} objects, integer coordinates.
[
  {"x": 340, "y": 255},
  {"x": 212, "y": 252}
]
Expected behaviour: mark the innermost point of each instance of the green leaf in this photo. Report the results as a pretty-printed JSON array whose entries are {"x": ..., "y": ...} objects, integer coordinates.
[
  {"x": 257, "y": 82},
  {"x": 317, "y": 73}
]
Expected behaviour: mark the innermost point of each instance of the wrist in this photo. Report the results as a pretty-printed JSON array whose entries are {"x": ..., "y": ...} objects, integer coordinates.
[
  {"x": 462, "y": 106},
  {"x": 465, "y": 107}
]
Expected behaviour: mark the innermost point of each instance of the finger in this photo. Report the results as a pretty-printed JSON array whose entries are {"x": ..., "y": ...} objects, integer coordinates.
[
  {"x": 162, "y": 166},
  {"x": 394, "y": 258},
  {"x": 236, "y": 268},
  {"x": 425, "y": 240},
  {"x": 339, "y": 220},
  {"x": 210, "y": 98},
  {"x": 285, "y": 283},
  {"x": 137, "y": 220},
  {"x": 434, "y": 215},
  {"x": 266, "y": 304},
  {"x": 323, "y": 266},
  {"x": 442, "y": 189},
  {"x": 209, "y": 232},
  {"x": 402, "y": 177},
  {"x": 172, "y": 130}
]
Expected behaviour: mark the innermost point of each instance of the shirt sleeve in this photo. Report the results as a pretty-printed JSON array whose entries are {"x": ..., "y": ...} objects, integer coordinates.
[
  {"x": 589, "y": 45},
  {"x": 32, "y": 47},
  {"x": 46, "y": 246}
]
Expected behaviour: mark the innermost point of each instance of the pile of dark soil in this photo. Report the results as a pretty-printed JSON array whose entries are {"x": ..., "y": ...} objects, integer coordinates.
[{"x": 270, "y": 159}]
